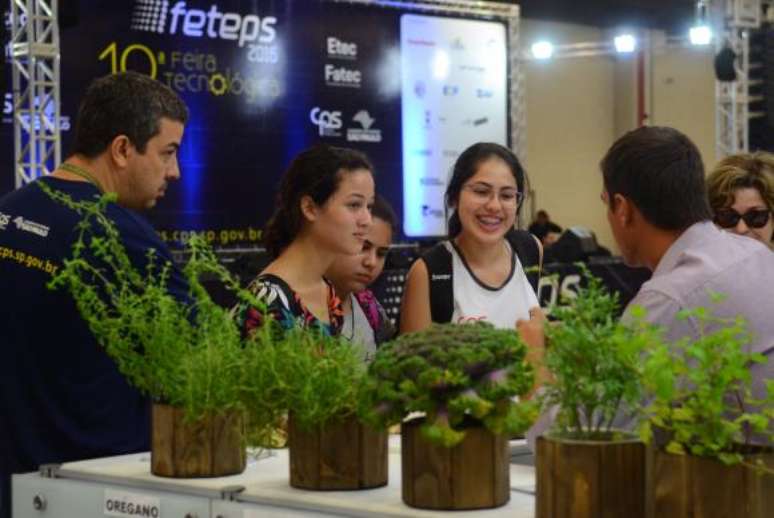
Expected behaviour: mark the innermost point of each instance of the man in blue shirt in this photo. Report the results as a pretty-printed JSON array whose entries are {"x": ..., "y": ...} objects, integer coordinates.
[{"x": 61, "y": 397}]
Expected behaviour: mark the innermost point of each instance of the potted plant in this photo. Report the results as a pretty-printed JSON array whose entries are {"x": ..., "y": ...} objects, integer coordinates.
[
  {"x": 584, "y": 466},
  {"x": 315, "y": 381},
  {"x": 462, "y": 379},
  {"x": 713, "y": 454},
  {"x": 187, "y": 356}
]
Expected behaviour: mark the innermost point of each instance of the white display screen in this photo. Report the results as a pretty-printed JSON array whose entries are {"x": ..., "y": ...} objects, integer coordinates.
[{"x": 454, "y": 94}]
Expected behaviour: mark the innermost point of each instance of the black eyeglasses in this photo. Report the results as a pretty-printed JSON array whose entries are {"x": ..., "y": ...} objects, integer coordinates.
[{"x": 755, "y": 218}]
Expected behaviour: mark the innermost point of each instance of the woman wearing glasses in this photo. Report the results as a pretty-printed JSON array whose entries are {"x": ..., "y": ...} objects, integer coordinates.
[
  {"x": 479, "y": 272},
  {"x": 741, "y": 193}
]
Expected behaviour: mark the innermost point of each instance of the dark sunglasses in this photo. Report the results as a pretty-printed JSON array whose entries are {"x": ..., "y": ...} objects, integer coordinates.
[{"x": 755, "y": 218}]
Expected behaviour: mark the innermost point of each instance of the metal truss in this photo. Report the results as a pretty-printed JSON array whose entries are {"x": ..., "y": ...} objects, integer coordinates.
[
  {"x": 732, "y": 99},
  {"x": 34, "y": 51}
]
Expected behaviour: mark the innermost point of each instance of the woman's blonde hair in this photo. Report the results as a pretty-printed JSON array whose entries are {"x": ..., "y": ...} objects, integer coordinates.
[{"x": 745, "y": 170}]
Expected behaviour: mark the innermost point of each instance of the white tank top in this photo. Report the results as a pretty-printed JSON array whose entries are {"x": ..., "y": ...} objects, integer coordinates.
[{"x": 501, "y": 307}]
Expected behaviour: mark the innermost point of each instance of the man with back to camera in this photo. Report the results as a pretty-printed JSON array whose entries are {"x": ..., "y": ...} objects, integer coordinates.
[
  {"x": 658, "y": 211},
  {"x": 61, "y": 397}
]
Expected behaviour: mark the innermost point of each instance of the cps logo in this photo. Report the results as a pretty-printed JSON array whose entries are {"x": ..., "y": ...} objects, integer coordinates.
[{"x": 328, "y": 122}]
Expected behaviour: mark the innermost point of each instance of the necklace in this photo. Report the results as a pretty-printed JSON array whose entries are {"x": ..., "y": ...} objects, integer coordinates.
[
  {"x": 83, "y": 173},
  {"x": 351, "y": 319}
]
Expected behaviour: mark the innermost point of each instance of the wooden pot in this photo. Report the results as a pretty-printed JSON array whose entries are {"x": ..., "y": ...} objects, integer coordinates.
[
  {"x": 475, "y": 474},
  {"x": 685, "y": 486},
  {"x": 211, "y": 447},
  {"x": 342, "y": 454},
  {"x": 590, "y": 479}
]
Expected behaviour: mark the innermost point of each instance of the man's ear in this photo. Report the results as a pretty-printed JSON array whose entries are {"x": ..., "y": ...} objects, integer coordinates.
[
  {"x": 622, "y": 209},
  {"x": 121, "y": 149},
  {"x": 309, "y": 208}
]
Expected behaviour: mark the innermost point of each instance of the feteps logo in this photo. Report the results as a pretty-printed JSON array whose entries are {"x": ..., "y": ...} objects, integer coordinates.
[
  {"x": 328, "y": 122},
  {"x": 151, "y": 16}
]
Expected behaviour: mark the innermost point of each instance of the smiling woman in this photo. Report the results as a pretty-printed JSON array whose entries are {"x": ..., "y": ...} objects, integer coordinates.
[
  {"x": 484, "y": 259},
  {"x": 323, "y": 210}
]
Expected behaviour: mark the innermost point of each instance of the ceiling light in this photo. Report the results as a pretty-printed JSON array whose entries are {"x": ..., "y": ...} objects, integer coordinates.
[
  {"x": 625, "y": 43},
  {"x": 700, "y": 35},
  {"x": 542, "y": 50}
]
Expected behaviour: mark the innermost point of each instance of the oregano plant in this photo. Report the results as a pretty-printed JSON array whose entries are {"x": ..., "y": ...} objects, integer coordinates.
[{"x": 186, "y": 353}]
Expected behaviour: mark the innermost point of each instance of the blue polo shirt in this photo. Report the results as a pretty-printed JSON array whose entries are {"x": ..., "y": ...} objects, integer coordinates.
[{"x": 61, "y": 397}]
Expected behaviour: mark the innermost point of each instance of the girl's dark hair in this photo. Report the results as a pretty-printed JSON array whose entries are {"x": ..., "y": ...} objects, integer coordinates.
[
  {"x": 467, "y": 165},
  {"x": 315, "y": 173},
  {"x": 383, "y": 210}
]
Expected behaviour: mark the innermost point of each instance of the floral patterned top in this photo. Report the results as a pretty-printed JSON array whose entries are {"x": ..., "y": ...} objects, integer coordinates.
[{"x": 286, "y": 308}]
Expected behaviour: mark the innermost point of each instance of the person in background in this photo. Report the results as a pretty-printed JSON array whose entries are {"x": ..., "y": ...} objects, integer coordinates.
[
  {"x": 323, "y": 210},
  {"x": 61, "y": 397},
  {"x": 544, "y": 229},
  {"x": 365, "y": 321},
  {"x": 741, "y": 194},
  {"x": 478, "y": 273}
]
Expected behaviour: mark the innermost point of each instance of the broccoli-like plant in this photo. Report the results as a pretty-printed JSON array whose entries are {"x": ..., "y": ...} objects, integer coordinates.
[
  {"x": 454, "y": 374},
  {"x": 188, "y": 354},
  {"x": 699, "y": 391},
  {"x": 594, "y": 361}
]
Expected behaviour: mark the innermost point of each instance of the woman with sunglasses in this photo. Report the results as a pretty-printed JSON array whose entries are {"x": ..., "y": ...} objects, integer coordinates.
[
  {"x": 487, "y": 277},
  {"x": 741, "y": 193}
]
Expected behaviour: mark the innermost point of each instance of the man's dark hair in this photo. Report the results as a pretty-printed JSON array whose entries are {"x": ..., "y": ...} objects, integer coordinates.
[
  {"x": 660, "y": 170},
  {"x": 128, "y": 104}
]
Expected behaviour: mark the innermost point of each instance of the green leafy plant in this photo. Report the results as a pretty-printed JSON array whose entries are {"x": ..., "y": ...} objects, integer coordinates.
[
  {"x": 314, "y": 376},
  {"x": 454, "y": 374},
  {"x": 699, "y": 391},
  {"x": 594, "y": 361},
  {"x": 188, "y": 354}
]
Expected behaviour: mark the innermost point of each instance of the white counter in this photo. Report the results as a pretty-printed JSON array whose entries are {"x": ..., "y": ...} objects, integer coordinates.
[{"x": 83, "y": 490}]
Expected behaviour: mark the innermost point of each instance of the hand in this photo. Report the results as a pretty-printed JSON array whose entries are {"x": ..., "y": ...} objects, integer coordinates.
[{"x": 531, "y": 331}]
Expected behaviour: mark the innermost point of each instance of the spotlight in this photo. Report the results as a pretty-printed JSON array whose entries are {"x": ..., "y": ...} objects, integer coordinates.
[
  {"x": 700, "y": 35},
  {"x": 625, "y": 43},
  {"x": 542, "y": 50}
]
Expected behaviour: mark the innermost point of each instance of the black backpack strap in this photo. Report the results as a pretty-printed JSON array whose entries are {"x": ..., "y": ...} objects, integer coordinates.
[
  {"x": 439, "y": 275},
  {"x": 527, "y": 251}
]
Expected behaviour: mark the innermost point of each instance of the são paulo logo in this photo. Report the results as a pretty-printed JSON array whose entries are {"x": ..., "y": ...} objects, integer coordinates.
[{"x": 153, "y": 15}]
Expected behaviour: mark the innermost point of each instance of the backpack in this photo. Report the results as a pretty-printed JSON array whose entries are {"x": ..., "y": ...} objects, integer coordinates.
[{"x": 439, "y": 271}]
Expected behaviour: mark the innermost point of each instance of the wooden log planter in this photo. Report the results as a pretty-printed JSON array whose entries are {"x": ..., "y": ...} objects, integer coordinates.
[
  {"x": 686, "y": 486},
  {"x": 590, "y": 479},
  {"x": 211, "y": 447},
  {"x": 475, "y": 474},
  {"x": 342, "y": 454}
]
